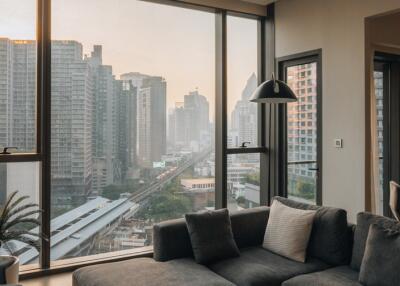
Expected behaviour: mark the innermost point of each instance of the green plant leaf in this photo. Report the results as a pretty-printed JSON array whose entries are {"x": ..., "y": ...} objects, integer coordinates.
[
  {"x": 22, "y": 208},
  {"x": 15, "y": 222}
]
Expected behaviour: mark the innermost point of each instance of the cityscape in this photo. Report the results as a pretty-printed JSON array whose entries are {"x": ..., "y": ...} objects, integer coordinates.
[{"x": 121, "y": 159}]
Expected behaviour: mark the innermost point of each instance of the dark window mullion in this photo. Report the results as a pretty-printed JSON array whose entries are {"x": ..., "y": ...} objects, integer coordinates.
[
  {"x": 43, "y": 83},
  {"x": 220, "y": 111}
]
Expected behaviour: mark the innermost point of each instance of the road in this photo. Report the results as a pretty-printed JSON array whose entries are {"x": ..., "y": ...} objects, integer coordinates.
[{"x": 157, "y": 186}]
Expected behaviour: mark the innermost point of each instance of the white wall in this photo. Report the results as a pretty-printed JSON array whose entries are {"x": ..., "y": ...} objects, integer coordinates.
[{"x": 336, "y": 26}]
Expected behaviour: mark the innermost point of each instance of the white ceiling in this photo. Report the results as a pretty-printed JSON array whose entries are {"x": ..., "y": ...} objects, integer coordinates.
[{"x": 260, "y": 2}]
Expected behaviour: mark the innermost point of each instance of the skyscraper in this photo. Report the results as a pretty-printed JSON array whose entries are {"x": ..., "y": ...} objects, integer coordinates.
[
  {"x": 72, "y": 91},
  {"x": 126, "y": 137},
  {"x": 151, "y": 120},
  {"x": 302, "y": 125},
  {"x": 18, "y": 94},
  {"x": 197, "y": 119},
  {"x": 244, "y": 116},
  {"x": 106, "y": 168},
  {"x": 190, "y": 122}
]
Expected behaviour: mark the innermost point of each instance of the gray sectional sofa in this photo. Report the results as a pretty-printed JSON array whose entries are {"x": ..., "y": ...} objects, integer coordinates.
[{"x": 331, "y": 260}]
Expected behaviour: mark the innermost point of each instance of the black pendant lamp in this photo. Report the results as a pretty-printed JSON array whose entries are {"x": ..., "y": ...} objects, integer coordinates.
[{"x": 273, "y": 91}]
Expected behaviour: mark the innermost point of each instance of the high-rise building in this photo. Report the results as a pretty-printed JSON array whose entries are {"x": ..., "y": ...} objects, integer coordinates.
[
  {"x": 18, "y": 94},
  {"x": 151, "y": 120},
  {"x": 244, "y": 116},
  {"x": 190, "y": 122},
  {"x": 126, "y": 128},
  {"x": 106, "y": 167},
  {"x": 302, "y": 124},
  {"x": 72, "y": 91},
  {"x": 197, "y": 119}
]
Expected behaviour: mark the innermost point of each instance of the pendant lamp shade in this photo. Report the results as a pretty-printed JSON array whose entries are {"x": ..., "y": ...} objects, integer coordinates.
[{"x": 273, "y": 91}]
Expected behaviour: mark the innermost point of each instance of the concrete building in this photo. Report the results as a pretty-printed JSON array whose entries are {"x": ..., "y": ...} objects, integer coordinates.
[
  {"x": 151, "y": 121},
  {"x": 302, "y": 125},
  {"x": 18, "y": 94},
  {"x": 244, "y": 117},
  {"x": 72, "y": 94}
]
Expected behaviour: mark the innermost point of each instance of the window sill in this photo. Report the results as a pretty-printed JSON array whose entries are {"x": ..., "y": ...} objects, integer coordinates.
[{"x": 67, "y": 265}]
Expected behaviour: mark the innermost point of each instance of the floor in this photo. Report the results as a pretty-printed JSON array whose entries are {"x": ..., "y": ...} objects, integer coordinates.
[{"x": 64, "y": 279}]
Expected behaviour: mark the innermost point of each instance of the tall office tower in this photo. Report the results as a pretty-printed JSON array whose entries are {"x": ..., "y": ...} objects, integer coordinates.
[
  {"x": 151, "y": 120},
  {"x": 71, "y": 132},
  {"x": 302, "y": 122},
  {"x": 171, "y": 130},
  {"x": 23, "y": 100},
  {"x": 244, "y": 116},
  {"x": 18, "y": 115},
  {"x": 106, "y": 166},
  {"x": 126, "y": 110},
  {"x": 18, "y": 94},
  {"x": 5, "y": 90},
  {"x": 177, "y": 126},
  {"x": 197, "y": 119}
]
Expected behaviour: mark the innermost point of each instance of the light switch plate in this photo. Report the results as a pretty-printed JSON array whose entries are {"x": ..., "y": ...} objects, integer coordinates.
[{"x": 338, "y": 143}]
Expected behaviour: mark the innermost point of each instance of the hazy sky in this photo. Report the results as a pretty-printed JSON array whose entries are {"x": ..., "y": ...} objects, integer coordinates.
[{"x": 176, "y": 43}]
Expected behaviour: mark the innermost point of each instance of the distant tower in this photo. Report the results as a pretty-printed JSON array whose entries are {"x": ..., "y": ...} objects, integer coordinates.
[{"x": 151, "y": 120}]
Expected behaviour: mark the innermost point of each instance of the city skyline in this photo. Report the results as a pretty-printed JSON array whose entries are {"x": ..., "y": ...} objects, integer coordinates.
[{"x": 141, "y": 52}]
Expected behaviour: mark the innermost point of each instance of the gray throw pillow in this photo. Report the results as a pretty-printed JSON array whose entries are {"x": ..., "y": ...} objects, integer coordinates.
[
  {"x": 364, "y": 221},
  {"x": 211, "y": 236},
  {"x": 288, "y": 231},
  {"x": 380, "y": 265}
]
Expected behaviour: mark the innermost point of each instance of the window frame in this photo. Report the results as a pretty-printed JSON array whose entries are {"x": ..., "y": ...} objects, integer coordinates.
[
  {"x": 389, "y": 64},
  {"x": 282, "y": 64},
  {"x": 266, "y": 58}
]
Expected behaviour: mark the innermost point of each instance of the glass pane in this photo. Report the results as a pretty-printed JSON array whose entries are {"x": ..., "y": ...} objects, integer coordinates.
[
  {"x": 24, "y": 178},
  {"x": 243, "y": 181},
  {"x": 378, "y": 78},
  {"x": 242, "y": 81},
  {"x": 132, "y": 121},
  {"x": 18, "y": 75},
  {"x": 302, "y": 132}
]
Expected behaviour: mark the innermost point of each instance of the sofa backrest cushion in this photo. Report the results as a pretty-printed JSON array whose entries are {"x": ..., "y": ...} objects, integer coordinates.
[
  {"x": 330, "y": 238},
  {"x": 364, "y": 221},
  {"x": 248, "y": 226},
  {"x": 171, "y": 238}
]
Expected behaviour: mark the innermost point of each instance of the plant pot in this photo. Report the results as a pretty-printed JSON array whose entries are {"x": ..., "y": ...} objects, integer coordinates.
[{"x": 11, "y": 269}]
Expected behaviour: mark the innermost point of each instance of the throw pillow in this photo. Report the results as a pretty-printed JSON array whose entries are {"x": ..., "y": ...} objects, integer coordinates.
[
  {"x": 211, "y": 236},
  {"x": 288, "y": 231},
  {"x": 381, "y": 260}
]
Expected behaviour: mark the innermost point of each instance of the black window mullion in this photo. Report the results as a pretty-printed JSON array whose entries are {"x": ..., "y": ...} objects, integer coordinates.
[
  {"x": 220, "y": 111},
  {"x": 43, "y": 83}
]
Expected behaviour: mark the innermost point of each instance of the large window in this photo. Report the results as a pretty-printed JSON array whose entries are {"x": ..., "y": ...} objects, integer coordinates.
[
  {"x": 242, "y": 61},
  {"x": 113, "y": 118},
  {"x": 132, "y": 117},
  {"x": 18, "y": 76},
  {"x": 18, "y": 112}
]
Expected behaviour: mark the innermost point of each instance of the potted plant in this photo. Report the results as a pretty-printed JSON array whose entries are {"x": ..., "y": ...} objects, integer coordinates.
[{"x": 17, "y": 221}]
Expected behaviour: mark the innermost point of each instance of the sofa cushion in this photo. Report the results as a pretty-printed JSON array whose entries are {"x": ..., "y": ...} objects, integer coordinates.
[
  {"x": 258, "y": 266},
  {"x": 288, "y": 231},
  {"x": 364, "y": 221},
  {"x": 382, "y": 248},
  {"x": 330, "y": 238},
  {"x": 148, "y": 272},
  {"x": 211, "y": 236},
  {"x": 338, "y": 276}
]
